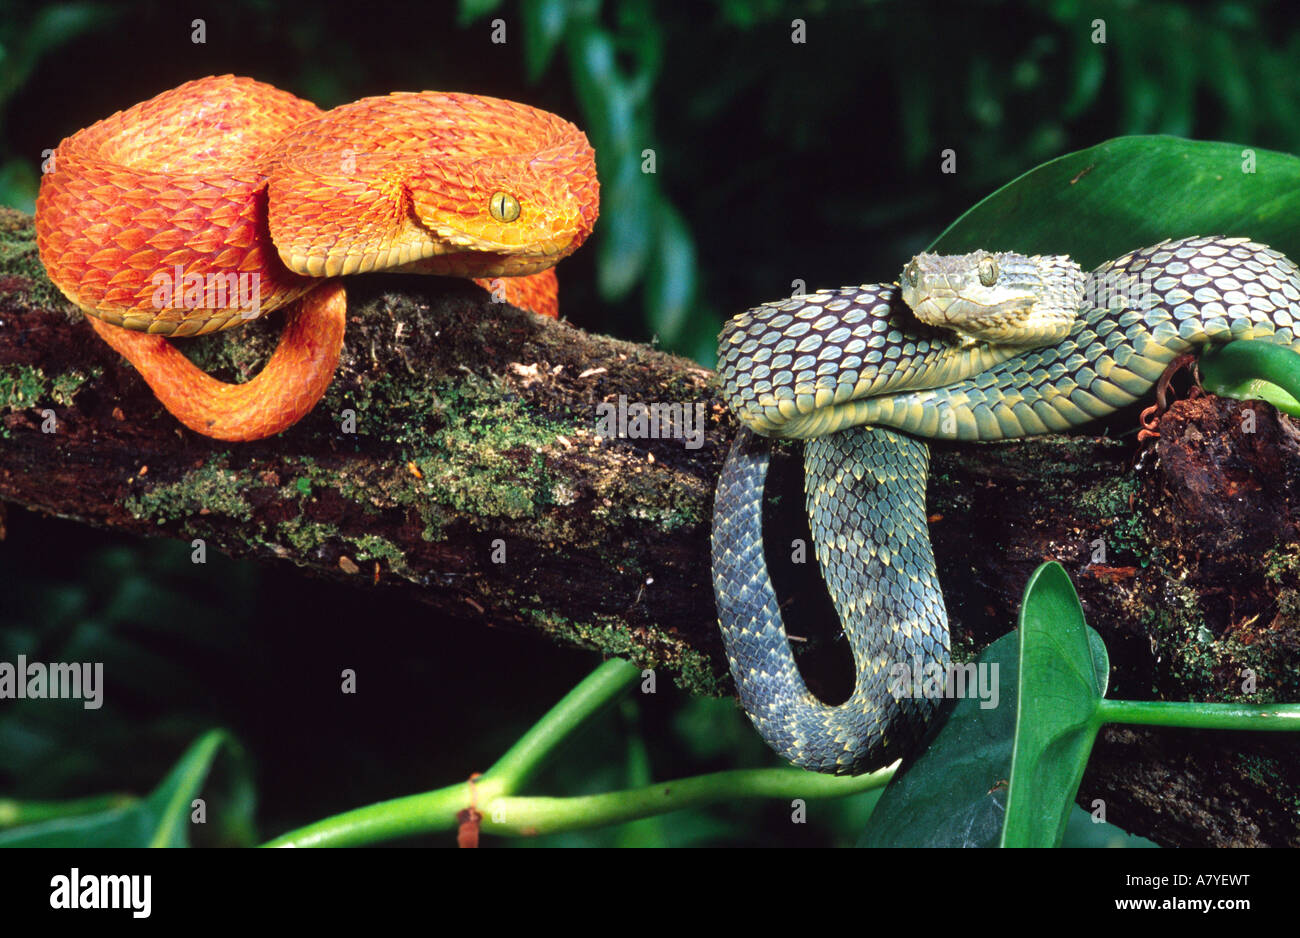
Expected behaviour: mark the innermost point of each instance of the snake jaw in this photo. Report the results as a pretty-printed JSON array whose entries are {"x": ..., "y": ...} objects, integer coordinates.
[{"x": 551, "y": 219}]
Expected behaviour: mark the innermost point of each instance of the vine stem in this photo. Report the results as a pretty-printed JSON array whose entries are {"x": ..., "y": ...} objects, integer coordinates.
[
  {"x": 1208, "y": 716},
  {"x": 491, "y": 792}
]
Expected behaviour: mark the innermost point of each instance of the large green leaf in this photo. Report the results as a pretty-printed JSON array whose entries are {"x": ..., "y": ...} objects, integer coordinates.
[
  {"x": 1084, "y": 830},
  {"x": 959, "y": 791},
  {"x": 1130, "y": 192},
  {"x": 1062, "y": 676},
  {"x": 1253, "y": 370},
  {"x": 954, "y": 794},
  {"x": 160, "y": 820}
]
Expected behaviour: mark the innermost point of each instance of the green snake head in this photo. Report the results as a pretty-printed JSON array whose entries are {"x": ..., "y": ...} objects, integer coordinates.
[{"x": 1002, "y": 298}]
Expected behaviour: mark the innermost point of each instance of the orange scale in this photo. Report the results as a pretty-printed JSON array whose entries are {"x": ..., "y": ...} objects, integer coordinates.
[
  {"x": 242, "y": 236},
  {"x": 224, "y": 214},
  {"x": 126, "y": 277},
  {"x": 151, "y": 220},
  {"x": 130, "y": 239},
  {"x": 148, "y": 261},
  {"x": 190, "y": 220},
  {"x": 229, "y": 259},
  {"x": 181, "y": 256},
  {"x": 206, "y": 242},
  {"x": 92, "y": 282},
  {"x": 104, "y": 195},
  {"x": 166, "y": 239},
  {"x": 251, "y": 261}
]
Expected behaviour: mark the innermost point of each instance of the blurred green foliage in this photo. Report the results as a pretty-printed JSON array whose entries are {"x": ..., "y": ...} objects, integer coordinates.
[{"x": 734, "y": 161}]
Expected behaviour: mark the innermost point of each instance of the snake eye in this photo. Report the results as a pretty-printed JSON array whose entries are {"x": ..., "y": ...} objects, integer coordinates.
[
  {"x": 988, "y": 271},
  {"x": 503, "y": 206},
  {"x": 911, "y": 273}
]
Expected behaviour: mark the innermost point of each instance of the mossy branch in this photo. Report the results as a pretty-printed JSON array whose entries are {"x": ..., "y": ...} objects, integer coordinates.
[
  {"x": 476, "y": 481},
  {"x": 477, "y": 478}
]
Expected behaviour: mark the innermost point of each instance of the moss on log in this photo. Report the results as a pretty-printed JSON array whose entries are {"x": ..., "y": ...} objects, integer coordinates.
[{"x": 459, "y": 458}]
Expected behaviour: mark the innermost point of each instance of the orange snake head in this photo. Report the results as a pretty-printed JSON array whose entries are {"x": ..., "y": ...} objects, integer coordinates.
[
  {"x": 518, "y": 215},
  {"x": 432, "y": 183}
]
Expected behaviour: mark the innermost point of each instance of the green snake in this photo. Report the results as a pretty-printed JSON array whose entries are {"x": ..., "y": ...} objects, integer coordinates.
[{"x": 944, "y": 356}]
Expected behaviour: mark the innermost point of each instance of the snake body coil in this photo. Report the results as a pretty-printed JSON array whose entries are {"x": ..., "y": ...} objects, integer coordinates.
[
  {"x": 155, "y": 219},
  {"x": 846, "y": 369}
]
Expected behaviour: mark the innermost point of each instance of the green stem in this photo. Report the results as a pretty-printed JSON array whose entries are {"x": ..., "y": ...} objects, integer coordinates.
[
  {"x": 400, "y": 817},
  {"x": 1208, "y": 716},
  {"x": 438, "y": 810},
  {"x": 531, "y": 816},
  {"x": 1253, "y": 369},
  {"x": 597, "y": 691}
]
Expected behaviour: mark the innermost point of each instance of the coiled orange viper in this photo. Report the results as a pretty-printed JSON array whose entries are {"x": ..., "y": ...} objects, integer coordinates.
[{"x": 226, "y": 198}]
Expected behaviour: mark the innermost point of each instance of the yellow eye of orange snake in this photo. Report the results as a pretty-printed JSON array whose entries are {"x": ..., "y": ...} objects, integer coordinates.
[{"x": 504, "y": 206}]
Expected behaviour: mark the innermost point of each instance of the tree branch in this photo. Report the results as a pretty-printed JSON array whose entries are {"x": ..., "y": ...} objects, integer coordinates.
[
  {"x": 476, "y": 441},
  {"x": 476, "y": 479}
]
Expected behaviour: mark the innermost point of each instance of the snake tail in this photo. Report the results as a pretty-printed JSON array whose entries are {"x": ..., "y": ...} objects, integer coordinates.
[
  {"x": 289, "y": 385},
  {"x": 874, "y": 554}
]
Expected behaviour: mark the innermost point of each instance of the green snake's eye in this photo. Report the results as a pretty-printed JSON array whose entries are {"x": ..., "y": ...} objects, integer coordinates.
[
  {"x": 911, "y": 273},
  {"x": 503, "y": 206},
  {"x": 988, "y": 271}
]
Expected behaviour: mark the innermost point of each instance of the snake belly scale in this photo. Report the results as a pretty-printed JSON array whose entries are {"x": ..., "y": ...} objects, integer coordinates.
[{"x": 857, "y": 375}]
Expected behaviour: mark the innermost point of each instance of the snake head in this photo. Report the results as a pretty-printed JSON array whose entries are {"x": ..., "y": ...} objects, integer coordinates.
[
  {"x": 506, "y": 215},
  {"x": 997, "y": 297},
  {"x": 452, "y": 184}
]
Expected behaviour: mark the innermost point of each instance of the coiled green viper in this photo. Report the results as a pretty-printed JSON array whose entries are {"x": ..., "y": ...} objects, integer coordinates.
[{"x": 840, "y": 367}]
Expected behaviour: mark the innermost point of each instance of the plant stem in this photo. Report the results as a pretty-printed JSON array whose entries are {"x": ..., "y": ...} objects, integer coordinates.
[
  {"x": 532, "y": 816},
  {"x": 1209, "y": 716},
  {"x": 387, "y": 820},
  {"x": 439, "y": 810},
  {"x": 597, "y": 691}
]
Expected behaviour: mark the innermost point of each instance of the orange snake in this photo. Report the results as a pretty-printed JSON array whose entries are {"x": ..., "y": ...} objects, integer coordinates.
[{"x": 226, "y": 198}]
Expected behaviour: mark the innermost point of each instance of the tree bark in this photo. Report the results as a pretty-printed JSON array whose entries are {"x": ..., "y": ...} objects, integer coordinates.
[{"x": 458, "y": 457}]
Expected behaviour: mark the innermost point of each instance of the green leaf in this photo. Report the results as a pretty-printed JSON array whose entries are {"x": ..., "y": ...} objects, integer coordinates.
[
  {"x": 16, "y": 813},
  {"x": 543, "y": 22},
  {"x": 1085, "y": 831},
  {"x": 1252, "y": 370},
  {"x": 670, "y": 283},
  {"x": 471, "y": 10},
  {"x": 954, "y": 794},
  {"x": 160, "y": 820},
  {"x": 1131, "y": 192},
  {"x": 1063, "y": 675}
]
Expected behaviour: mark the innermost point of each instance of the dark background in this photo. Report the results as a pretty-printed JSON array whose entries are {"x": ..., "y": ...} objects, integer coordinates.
[{"x": 774, "y": 160}]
